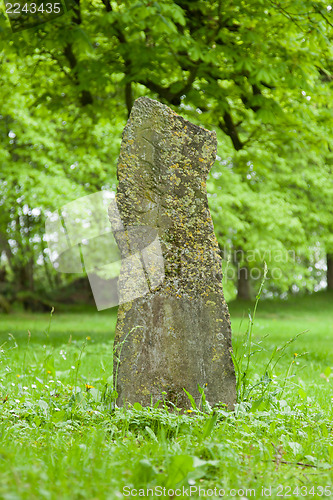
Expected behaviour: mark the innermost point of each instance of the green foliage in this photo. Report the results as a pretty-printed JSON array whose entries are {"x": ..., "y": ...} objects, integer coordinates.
[{"x": 259, "y": 73}]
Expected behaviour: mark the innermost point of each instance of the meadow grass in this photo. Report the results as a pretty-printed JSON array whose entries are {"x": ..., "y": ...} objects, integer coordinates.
[{"x": 61, "y": 439}]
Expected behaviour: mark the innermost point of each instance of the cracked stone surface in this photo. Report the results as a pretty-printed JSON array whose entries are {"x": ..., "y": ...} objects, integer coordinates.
[{"x": 178, "y": 334}]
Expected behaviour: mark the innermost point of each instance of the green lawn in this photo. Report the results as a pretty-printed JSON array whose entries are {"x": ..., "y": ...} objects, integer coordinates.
[{"x": 60, "y": 440}]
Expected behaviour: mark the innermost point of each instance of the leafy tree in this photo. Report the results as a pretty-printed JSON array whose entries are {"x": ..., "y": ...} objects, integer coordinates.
[{"x": 257, "y": 72}]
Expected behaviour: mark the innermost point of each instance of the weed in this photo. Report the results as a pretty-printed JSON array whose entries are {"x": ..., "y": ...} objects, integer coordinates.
[{"x": 252, "y": 388}]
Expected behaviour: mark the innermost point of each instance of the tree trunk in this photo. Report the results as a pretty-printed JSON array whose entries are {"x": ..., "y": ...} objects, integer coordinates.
[
  {"x": 243, "y": 285},
  {"x": 330, "y": 271}
]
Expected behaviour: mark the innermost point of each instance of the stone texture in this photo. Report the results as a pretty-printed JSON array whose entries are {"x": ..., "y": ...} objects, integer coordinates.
[{"x": 177, "y": 335}]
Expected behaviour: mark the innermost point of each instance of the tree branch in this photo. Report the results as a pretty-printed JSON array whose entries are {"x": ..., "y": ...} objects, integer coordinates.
[
  {"x": 86, "y": 96},
  {"x": 166, "y": 93},
  {"x": 127, "y": 61},
  {"x": 229, "y": 128}
]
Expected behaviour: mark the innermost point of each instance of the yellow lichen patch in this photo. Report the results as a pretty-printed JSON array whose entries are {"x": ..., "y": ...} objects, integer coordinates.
[
  {"x": 216, "y": 357},
  {"x": 145, "y": 391},
  {"x": 127, "y": 306}
]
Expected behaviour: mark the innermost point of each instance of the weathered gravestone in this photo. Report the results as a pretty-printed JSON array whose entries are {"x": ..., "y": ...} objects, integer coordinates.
[{"x": 178, "y": 334}]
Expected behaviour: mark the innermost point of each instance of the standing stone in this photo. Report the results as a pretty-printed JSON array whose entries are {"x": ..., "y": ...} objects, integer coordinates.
[{"x": 178, "y": 334}]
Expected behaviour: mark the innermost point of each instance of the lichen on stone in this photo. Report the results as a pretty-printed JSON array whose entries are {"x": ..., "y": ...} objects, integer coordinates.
[{"x": 185, "y": 339}]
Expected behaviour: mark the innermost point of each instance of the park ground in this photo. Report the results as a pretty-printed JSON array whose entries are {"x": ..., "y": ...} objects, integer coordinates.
[{"x": 62, "y": 439}]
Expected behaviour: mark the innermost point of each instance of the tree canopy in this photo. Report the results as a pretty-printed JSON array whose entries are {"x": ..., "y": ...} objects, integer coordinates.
[{"x": 258, "y": 72}]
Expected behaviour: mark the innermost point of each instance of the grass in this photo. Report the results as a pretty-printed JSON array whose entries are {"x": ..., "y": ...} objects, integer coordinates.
[{"x": 59, "y": 439}]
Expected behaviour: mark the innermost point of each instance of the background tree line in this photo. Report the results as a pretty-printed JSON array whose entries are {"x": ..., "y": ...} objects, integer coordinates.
[{"x": 259, "y": 72}]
